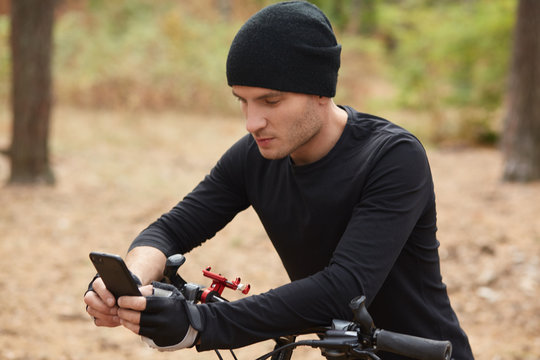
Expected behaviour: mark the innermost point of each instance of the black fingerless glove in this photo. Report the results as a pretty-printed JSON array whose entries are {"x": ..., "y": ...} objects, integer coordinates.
[{"x": 169, "y": 317}]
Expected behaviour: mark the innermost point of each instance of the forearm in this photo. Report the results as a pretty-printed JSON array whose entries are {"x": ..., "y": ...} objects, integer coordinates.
[
  {"x": 287, "y": 309},
  {"x": 147, "y": 263}
]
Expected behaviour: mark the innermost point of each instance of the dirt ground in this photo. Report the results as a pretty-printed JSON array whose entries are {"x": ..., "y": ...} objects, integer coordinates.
[{"x": 117, "y": 172}]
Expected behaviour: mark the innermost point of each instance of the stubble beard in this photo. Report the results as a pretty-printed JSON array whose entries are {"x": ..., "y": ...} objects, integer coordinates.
[{"x": 305, "y": 128}]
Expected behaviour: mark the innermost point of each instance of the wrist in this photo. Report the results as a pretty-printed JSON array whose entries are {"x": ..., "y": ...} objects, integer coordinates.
[
  {"x": 147, "y": 263},
  {"x": 188, "y": 341}
]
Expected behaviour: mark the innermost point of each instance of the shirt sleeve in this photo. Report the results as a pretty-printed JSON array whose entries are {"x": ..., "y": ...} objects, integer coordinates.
[
  {"x": 396, "y": 194},
  {"x": 203, "y": 212}
]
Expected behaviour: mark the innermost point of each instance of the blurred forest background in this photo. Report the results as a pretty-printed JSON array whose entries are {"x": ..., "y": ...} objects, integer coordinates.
[
  {"x": 445, "y": 61},
  {"x": 140, "y": 111}
]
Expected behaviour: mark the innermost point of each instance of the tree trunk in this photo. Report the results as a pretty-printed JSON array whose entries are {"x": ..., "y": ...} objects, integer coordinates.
[
  {"x": 31, "y": 92},
  {"x": 521, "y": 136}
]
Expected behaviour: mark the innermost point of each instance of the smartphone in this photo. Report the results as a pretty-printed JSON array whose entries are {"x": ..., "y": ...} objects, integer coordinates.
[{"x": 115, "y": 274}]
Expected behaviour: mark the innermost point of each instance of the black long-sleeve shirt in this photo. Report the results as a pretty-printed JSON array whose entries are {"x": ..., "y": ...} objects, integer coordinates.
[{"x": 359, "y": 221}]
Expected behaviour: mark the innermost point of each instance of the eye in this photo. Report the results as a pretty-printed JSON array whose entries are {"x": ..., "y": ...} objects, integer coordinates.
[{"x": 272, "y": 101}]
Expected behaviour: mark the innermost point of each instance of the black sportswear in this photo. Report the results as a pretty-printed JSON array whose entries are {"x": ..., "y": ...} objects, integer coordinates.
[{"x": 359, "y": 221}]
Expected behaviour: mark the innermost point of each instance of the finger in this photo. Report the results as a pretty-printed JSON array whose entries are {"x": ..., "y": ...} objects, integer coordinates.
[
  {"x": 146, "y": 290},
  {"x": 132, "y": 302},
  {"x": 93, "y": 300},
  {"x": 136, "y": 302},
  {"x": 107, "y": 323},
  {"x": 100, "y": 289},
  {"x": 131, "y": 316},
  {"x": 101, "y": 319}
]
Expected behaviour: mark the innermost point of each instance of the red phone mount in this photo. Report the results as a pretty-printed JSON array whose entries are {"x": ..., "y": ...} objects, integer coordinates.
[{"x": 219, "y": 283}]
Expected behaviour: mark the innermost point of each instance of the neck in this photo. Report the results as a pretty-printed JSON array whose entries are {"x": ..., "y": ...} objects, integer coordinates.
[{"x": 333, "y": 122}]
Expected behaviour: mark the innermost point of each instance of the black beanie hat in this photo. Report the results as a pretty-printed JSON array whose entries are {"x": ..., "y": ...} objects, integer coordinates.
[{"x": 288, "y": 46}]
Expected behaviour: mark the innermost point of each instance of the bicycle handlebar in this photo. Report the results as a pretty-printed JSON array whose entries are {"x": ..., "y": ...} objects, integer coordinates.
[
  {"x": 412, "y": 346},
  {"x": 352, "y": 343}
]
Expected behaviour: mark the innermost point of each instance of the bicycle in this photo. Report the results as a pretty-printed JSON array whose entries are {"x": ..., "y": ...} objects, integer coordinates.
[{"x": 342, "y": 340}]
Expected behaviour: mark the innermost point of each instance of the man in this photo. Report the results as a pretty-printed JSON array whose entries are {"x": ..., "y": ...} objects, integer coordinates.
[{"x": 346, "y": 198}]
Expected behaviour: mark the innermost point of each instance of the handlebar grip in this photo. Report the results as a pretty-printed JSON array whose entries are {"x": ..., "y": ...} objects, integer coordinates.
[{"x": 413, "y": 346}]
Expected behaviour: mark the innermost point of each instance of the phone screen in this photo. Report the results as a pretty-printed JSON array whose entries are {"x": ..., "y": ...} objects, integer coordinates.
[{"x": 115, "y": 274}]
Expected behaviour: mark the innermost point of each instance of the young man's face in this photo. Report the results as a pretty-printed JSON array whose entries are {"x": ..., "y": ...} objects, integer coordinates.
[{"x": 282, "y": 123}]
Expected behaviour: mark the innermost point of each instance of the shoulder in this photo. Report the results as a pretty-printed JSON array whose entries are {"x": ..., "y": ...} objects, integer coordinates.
[
  {"x": 372, "y": 126},
  {"x": 375, "y": 136}
]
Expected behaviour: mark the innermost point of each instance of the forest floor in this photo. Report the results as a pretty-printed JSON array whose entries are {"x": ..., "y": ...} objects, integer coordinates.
[{"x": 117, "y": 172}]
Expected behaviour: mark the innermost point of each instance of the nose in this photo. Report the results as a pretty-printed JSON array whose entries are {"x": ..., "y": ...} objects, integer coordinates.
[{"x": 255, "y": 119}]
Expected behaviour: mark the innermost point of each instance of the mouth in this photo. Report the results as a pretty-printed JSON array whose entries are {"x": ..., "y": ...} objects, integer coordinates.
[{"x": 263, "y": 141}]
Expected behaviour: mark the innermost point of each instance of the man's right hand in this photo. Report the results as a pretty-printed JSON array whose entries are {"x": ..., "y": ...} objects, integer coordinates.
[
  {"x": 101, "y": 305},
  {"x": 145, "y": 261}
]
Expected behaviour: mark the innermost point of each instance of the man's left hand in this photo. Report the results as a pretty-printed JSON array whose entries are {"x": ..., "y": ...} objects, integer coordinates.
[{"x": 160, "y": 315}]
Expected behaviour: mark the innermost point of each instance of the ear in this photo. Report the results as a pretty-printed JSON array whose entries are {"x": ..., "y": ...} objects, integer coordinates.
[{"x": 323, "y": 100}]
